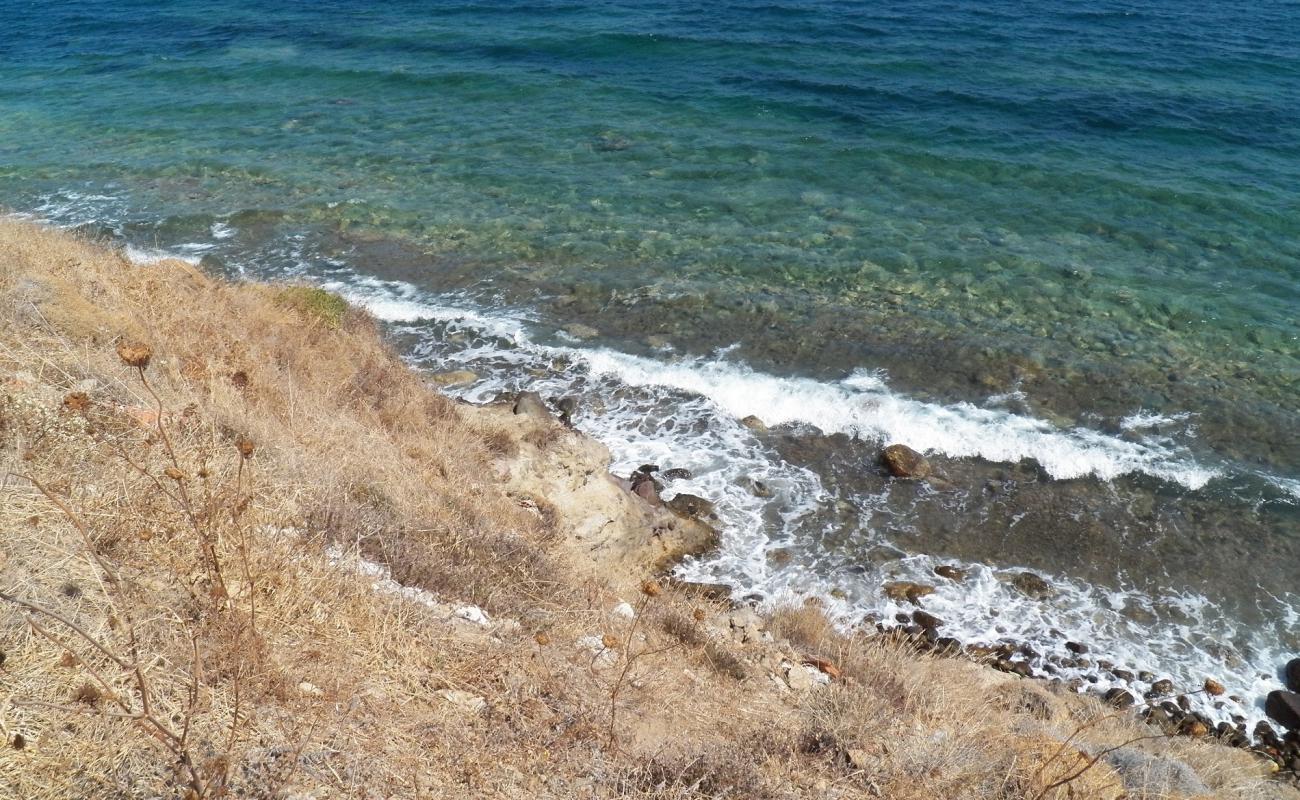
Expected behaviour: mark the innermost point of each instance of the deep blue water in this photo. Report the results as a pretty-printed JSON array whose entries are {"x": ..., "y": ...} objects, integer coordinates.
[{"x": 1063, "y": 234}]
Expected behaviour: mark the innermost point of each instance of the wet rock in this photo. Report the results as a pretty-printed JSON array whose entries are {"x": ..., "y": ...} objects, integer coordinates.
[
  {"x": 458, "y": 377},
  {"x": 677, "y": 474},
  {"x": 904, "y": 462},
  {"x": 754, "y": 423},
  {"x": 951, "y": 573},
  {"x": 1283, "y": 708},
  {"x": 926, "y": 620},
  {"x": 580, "y": 331},
  {"x": 567, "y": 406},
  {"x": 1119, "y": 698},
  {"x": 900, "y": 591},
  {"x": 1123, "y": 675},
  {"x": 1032, "y": 585},
  {"x": 692, "y": 507},
  {"x": 1078, "y": 648},
  {"x": 1291, "y": 674},
  {"x": 760, "y": 489},
  {"x": 530, "y": 404},
  {"x": 1162, "y": 688}
]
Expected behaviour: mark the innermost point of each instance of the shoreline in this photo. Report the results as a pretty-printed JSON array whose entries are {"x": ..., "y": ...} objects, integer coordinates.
[{"x": 583, "y": 535}]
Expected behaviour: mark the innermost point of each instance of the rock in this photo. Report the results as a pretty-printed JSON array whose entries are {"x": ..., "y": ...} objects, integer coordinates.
[
  {"x": 1154, "y": 776},
  {"x": 567, "y": 406},
  {"x": 309, "y": 689},
  {"x": 624, "y": 610},
  {"x": 472, "y": 614},
  {"x": 1163, "y": 687},
  {"x": 647, "y": 491},
  {"x": 1119, "y": 698},
  {"x": 580, "y": 331},
  {"x": 1283, "y": 708},
  {"x": 692, "y": 507},
  {"x": 530, "y": 404},
  {"x": 904, "y": 462},
  {"x": 1291, "y": 674},
  {"x": 676, "y": 474},
  {"x": 803, "y": 678},
  {"x": 458, "y": 377},
  {"x": 900, "y": 591},
  {"x": 825, "y": 666},
  {"x": 760, "y": 489},
  {"x": 951, "y": 573},
  {"x": 926, "y": 620},
  {"x": 1032, "y": 585},
  {"x": 1213, "y": 688},
  {"x": 466, "y": 700},
  {"x": 754, "y": 423},
  {"x": 1078, "y": 648}
]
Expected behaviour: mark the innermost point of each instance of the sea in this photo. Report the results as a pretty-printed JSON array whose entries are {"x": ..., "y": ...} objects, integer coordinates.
[{"x": 1053, "y": 246}]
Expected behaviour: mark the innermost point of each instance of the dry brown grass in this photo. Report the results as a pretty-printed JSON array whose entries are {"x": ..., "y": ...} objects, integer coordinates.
[{"x": 178, "y": 622}]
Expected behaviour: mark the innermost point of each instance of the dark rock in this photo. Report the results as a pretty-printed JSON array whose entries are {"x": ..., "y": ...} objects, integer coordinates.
[
  {"x": 677, "y": 474},
  {"x": 646, "y": 490},
  {"x": 760, "y": 489},
  {"x": 951, "y": 573},
  {"x": 531, "y": 404},
  {"x": 753, "y": 423},
  {"x": 1283, "y": 708},
  {"x": 1291, "y": 673},
  {"x": 1078, "y": 648},
  {"x": 568, "y": 406},
  {"x": 1123, "y": 675},
  {"x": 1032, "y": 585},
  {"x": 1146, "y": 676},
  {"x": 692, "y": 507},
  {"x": 926, "y": 620},
  {"x": 1119, "y": 698},
  {"x": 904, "y": 462},
  {"x": 1163, "y": 687},
  {"x": 648, "y": 468}
]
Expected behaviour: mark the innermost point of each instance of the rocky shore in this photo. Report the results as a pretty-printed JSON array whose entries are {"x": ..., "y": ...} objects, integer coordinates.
[{"x": 248, "y": 552}]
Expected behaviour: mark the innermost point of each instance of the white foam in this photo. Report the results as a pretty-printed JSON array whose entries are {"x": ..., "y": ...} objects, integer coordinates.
[{"x": 148, "y": 256}]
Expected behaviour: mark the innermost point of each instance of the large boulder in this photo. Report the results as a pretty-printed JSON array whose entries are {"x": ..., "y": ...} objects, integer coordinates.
[
  {"x": 904, "y": 462},
  {"x": 1284, "y": 709},
  {"x": 531, "y": 404},
  {"x": 1292, "y": 674},
  {"x": 692, "y": 507}
]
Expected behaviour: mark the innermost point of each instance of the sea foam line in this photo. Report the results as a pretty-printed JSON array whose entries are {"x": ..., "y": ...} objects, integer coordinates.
[{"x": 861, "y": 405}]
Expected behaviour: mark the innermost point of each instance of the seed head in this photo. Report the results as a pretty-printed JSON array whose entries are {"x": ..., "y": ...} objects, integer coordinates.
[
  {"x": 20, "y": 741},
  {"x": 1213, "y": 688},
  {"x": 88, "y": 693},
  {"x": 69, "y": 659},
  {"x": 245, "y": 447},
  {"x": 542, "y": 639},
  {"x": 134, "y": 354},
  {"x": 174, "y": 474},
  {"x": 609, "y": 640},
  {"x": 698, "y": 614},
  {"x": 240, "y": 379},
  {"x": 651, "y": 589}
]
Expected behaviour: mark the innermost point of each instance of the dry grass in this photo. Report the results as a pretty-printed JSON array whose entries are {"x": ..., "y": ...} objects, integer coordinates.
[{"x": 177, "y": 622}]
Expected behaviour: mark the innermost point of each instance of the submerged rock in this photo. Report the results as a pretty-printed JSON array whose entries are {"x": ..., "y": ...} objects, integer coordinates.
[
  {"x": 754, "y": 423},
  {"x": 458, "y": 377},
  {"x": 904, "y": 462},
  {"x": 1032, "y": 585}
]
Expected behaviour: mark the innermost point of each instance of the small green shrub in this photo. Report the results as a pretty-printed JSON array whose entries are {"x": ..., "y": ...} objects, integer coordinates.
[{"x": 314, "y": 303}]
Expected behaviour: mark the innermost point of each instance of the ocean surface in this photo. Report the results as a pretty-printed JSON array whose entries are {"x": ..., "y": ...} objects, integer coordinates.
[{"x": 1055, "y": 248}]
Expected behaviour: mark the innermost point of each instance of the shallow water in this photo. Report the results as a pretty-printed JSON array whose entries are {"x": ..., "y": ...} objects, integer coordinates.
[{"x": 1057, "y": 249}]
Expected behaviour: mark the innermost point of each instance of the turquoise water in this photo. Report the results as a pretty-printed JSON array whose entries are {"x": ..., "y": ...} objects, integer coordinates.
[{"x": 1006, "y": 233}]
